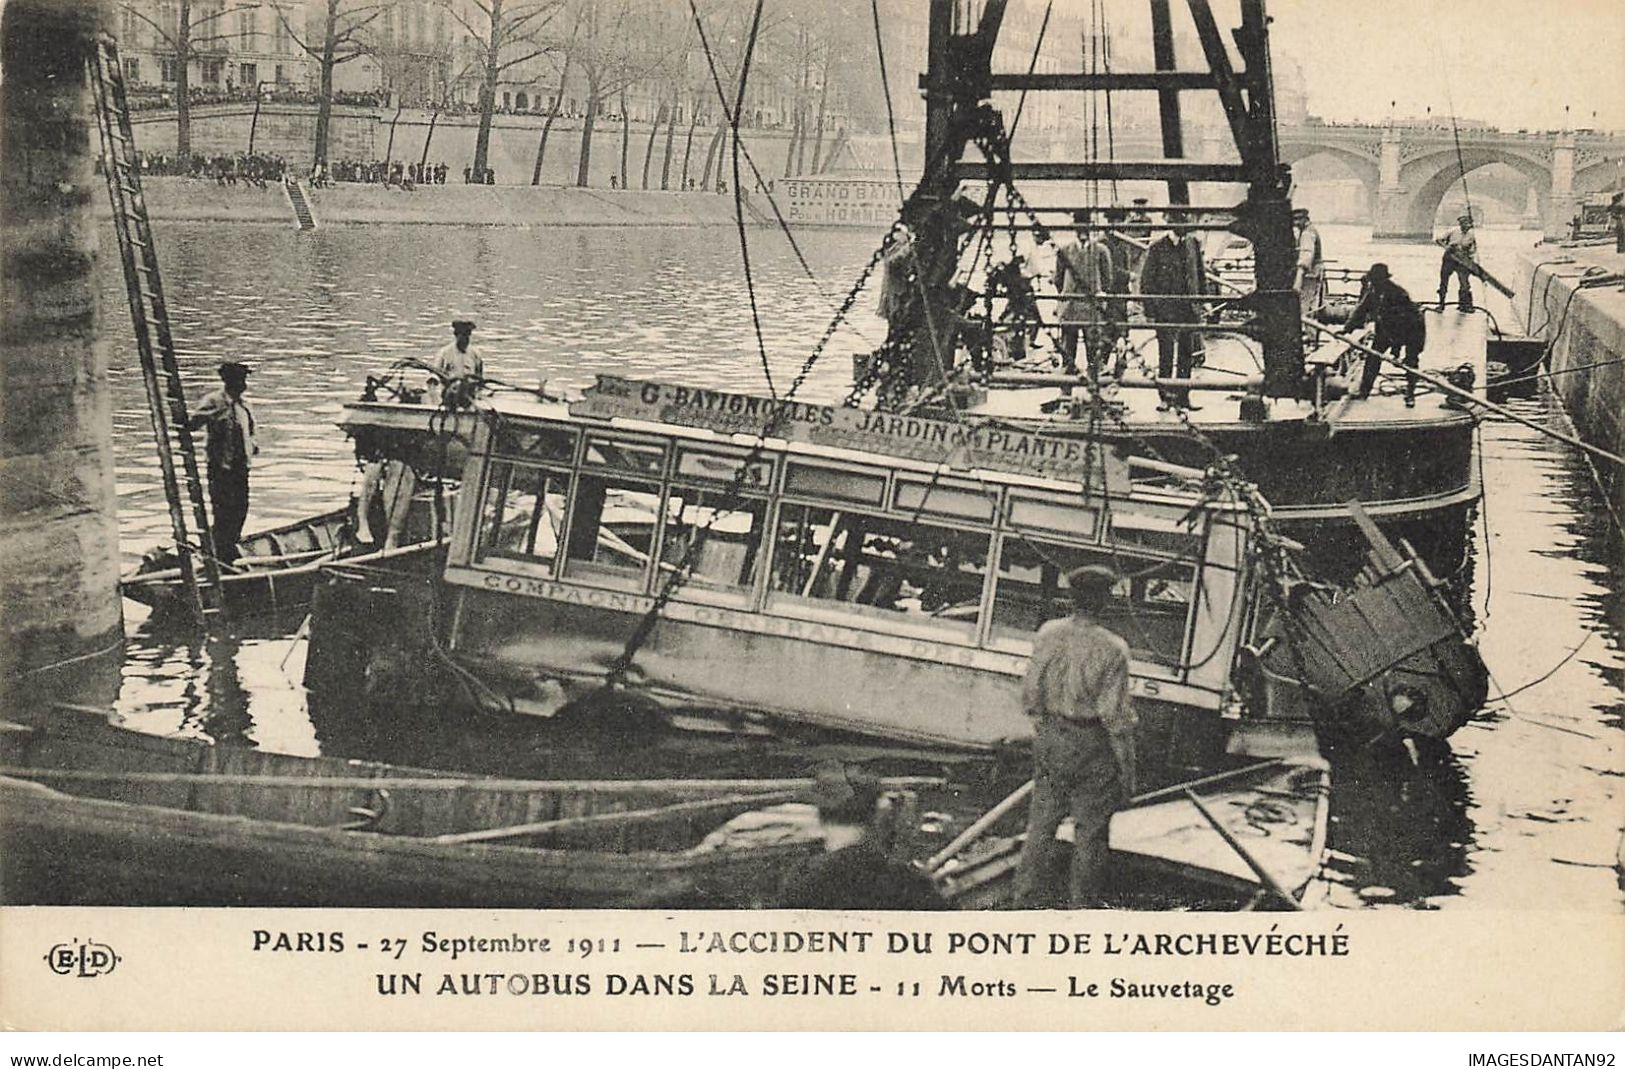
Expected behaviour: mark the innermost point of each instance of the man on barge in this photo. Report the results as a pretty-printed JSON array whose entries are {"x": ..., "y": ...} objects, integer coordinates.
[
  {"x": 1401, "y": 328},
  {"x": 1077, "y": 690},
  {"x": 1460, "y": 258},
  {"x": 457, "y": 367},
  {"x": 231, "y": 449}
]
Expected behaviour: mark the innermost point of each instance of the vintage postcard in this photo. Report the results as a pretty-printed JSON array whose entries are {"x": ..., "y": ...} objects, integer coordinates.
[{"x": 740, "y": 514}]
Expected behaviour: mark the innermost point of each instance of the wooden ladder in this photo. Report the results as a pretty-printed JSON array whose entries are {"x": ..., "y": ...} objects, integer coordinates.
[{"x": 166, "y": 398}]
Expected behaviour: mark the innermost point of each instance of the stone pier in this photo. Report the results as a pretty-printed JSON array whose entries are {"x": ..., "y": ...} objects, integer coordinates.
[
  {"x": 1585, "y": 326},
  {"x": 60, "y": 625}
]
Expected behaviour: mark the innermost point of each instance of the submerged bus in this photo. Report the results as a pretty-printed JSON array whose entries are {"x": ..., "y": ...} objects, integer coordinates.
[{"x": 869, "y": 573}]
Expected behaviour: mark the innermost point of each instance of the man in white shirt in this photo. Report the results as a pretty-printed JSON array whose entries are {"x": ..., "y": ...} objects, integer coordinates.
[
  {"x": 1308, "y": 278},
  {"x": 231, "y": 450},
  {"x": 1460, "y": 256},
  {"x": 457, "y": 367}
]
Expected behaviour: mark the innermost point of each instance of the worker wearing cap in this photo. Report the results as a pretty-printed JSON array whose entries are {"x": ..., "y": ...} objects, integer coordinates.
[
  {"x": 1077, "y": 691},
  {"x": 231, "y": 450},
  {"x": 1309, "y": 277},
  {"x": 1139, "y": 219},
  {"x": 1401, "y": 328},
  {"x": 1460, "y": 256},
  {"x": 457, "y": 366},
  {"x": 854, "y": 870}
]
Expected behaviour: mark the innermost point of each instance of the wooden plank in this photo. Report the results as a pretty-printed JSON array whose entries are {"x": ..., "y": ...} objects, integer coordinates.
[
  {"x": 618, "y": 819},
  {"x": 408, "y": 783},
  {"x": 1263, "y": 874}
]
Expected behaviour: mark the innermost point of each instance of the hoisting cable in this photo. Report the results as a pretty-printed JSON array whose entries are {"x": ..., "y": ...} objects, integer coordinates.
[
  {"x": 739, "y": 201},
  {"x": 885, "y": 85},
  {"x": 727, "y": 111}
]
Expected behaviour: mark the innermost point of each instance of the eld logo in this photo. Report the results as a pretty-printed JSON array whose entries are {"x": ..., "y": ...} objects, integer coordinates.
[{"x": 82, "y": 959}]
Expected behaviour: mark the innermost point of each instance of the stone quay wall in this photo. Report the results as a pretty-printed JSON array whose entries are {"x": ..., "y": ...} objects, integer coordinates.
[
  {"x": 203, "y": 200},
  {"x": 355, "y": 133},
  {"x": 1587, "y": 359}
]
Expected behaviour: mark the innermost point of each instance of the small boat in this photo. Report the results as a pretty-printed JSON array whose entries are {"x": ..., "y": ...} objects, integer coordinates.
[
  {"x": 1252, "y": 837},
  {"x": 91, "y": 813},
  {"x": 277, "y": 569}
]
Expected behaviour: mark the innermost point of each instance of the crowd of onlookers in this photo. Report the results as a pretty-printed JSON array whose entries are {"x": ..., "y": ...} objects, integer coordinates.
[
  {"x": 227, "y": 169},
  {"x": 149, "y": 99},
  {"x": 380, "y": 172}
]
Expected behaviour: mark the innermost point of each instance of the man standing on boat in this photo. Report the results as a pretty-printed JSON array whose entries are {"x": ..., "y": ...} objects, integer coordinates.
[
  {"x": 1309, "y": 277},
  {"x": 1077, "y": 691},
  {"x": 1173, "y": 267},
  {"x": 1460, "y": 258},
  {"x": 457, "y": 367},
  {"x": 1400, "y": 325},
  {"x": 231, "y": 450},
  {"x": 1083, "y": 271}
]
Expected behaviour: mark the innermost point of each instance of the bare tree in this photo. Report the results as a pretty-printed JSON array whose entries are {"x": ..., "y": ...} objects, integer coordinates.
[
  {"x": 195, "y": 29},
  {"x": 566, "y": 50},
  {"x": 339, "y": 38},
  {"x": 509, "y": 33},
  {"x": 613, "y": 49}
]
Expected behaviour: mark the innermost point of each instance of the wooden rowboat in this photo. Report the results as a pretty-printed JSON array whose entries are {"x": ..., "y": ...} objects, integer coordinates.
[
  {"x": 1252, "y": 836},
  {"x": 278, "y": 569},
  {"x": 95, "y": 814}
]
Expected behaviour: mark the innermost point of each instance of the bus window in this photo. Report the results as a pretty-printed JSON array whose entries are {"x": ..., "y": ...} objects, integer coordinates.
[
  {"x": 611, "y": 531},
  {"x": 1169, "y": 532},
  {"x": 536, "y": 443},
  {"x": 726, "y": 559},
  {"x": 724, "y": 468},
  {"x": 942, "y": 498},
  {"x": 639, "y": 458},
  {"x": 1149, "y": 607},
  {"x": 815, "y": 480},
  {"x": 888, "y": 570},
  {"x": 524, "y": 508},
  {"x": 1068, "y": 516}
]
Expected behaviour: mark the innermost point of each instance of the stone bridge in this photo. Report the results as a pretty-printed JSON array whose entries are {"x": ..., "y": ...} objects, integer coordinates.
[{"x": 1407, "y": 170}]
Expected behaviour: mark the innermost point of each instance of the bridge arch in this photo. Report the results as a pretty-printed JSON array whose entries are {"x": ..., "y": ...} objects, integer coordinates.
[
  {"x": 1359, "y": 164},
  {"x": 1429, "y": 178},
  {"x": 1599, "y": 175}
]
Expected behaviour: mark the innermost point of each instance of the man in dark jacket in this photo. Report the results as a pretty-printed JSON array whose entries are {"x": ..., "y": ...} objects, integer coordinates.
[
  {"x": 1400, "y": 327},
  {"x": 854, "y": 871},
  {"x": 1173, "y": 266},
  {"x": 231, "y": 450}
]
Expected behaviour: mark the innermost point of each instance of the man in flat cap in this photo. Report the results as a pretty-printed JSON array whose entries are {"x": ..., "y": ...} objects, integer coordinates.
[
  {"x": 1308, "y": 278},
  {"x": 1077, "y": 691},
  {"x": 458, "y": 367},
  {"x": 854, "y": 871},
  {"x": 231, "y": 451},
  {"x": 1460, "y": 257}
]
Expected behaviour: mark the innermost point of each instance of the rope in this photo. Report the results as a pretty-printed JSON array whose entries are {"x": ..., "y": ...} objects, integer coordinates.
[
  {"x": 1544, "y": 676},
  {"x": 739, "y": 202},
  {"x": 885, "y": 85},
  {"x": 728, "y": 113}
]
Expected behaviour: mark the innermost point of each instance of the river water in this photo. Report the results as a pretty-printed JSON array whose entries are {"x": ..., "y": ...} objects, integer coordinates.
[{"x": 1523, "y": 811}]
